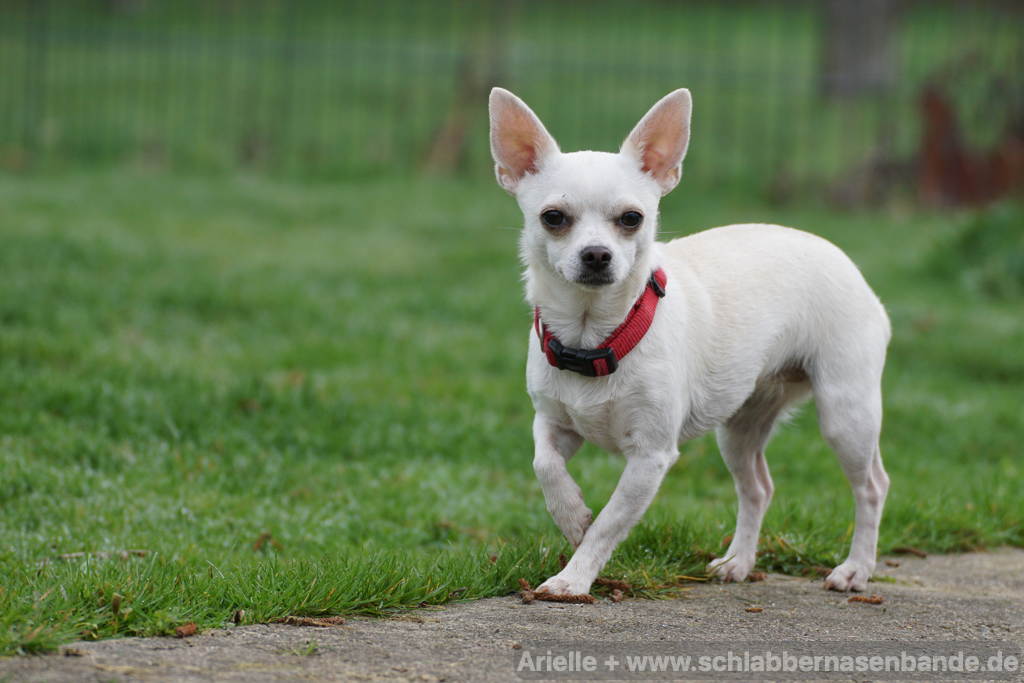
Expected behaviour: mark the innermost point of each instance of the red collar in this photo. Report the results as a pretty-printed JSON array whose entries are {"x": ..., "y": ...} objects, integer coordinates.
[{"x": 604, "y": 360}]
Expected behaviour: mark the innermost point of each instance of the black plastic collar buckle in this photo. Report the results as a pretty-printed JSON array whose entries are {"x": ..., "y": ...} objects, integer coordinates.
[
  {"x": 582, "y": 360},
  {"x": 656, "y": 286}
]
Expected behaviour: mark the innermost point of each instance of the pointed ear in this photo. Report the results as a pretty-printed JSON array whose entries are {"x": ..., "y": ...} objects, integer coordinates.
[
  {"x": 659, "y": 141},
  {"x": 519, "y": 141}
]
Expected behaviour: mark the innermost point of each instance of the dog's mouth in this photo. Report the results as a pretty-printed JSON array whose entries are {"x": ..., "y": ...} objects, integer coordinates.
[{"x": 594, "y": 279}]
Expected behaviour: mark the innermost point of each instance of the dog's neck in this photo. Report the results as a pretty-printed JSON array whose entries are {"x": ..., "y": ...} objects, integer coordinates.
[{"x": 581, "y": 317}]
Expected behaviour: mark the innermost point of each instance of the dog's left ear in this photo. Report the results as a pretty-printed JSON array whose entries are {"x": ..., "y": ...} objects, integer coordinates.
[{"x": 659, "y": 141}]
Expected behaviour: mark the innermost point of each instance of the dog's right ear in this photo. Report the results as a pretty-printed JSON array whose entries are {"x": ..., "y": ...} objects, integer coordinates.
[{"x": 519, "y": 141}]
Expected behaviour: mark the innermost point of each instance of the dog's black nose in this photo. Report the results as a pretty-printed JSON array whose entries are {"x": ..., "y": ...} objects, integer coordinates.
[{"x": 596, "y": 258}]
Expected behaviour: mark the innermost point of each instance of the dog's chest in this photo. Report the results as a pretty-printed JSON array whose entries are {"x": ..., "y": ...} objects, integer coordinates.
[
  {"x": 596, "y": 425},
  {"x": 595, "y": 422}
]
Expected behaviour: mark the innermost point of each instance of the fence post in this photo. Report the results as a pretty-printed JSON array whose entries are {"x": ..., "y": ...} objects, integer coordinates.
[
  {"x": 859, "y": 52},
  {"x": 285, "y": 153},
  {"x": 36, "y": 49}
]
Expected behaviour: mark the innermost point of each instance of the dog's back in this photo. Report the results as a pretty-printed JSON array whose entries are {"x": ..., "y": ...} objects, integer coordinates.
[
  {"x": 776, "y": 290},
  {"x": 770, "y": 312}
]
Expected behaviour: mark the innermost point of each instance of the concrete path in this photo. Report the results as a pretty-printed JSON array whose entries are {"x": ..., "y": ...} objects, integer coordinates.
[{"x": 977, "y": 596}]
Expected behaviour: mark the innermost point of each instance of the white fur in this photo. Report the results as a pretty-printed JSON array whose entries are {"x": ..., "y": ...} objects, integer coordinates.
[{"x": 756, "y": 318}]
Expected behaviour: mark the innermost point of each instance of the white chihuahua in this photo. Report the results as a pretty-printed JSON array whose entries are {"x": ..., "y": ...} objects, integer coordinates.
[{"x": 640, "y": 345}]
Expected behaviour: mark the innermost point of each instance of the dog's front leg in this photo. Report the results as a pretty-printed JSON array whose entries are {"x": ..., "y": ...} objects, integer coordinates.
[
  {"x": 553, "y": 447},
  {"x": 636, "y": 489}
]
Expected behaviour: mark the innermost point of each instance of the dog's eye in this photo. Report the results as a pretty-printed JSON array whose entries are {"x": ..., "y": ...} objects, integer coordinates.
[
  {"x": 631, "y": 219},
  {"x": 553, "y": 218}
]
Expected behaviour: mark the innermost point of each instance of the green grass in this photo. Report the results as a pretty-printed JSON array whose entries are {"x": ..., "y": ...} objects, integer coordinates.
[
  {"x": 187, "y": 365},
  {"x": 987, "y": 255}
]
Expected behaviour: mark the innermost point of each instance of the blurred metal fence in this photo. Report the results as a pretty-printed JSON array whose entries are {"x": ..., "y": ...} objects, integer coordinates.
[{"x": 786, "y": 92}]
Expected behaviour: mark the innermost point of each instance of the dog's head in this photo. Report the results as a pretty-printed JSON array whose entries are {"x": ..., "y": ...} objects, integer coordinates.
[{"x": 590, "y": 216}]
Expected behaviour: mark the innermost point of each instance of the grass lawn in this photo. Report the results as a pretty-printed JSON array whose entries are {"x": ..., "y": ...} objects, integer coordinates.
[{"x": 309, "y": 400}]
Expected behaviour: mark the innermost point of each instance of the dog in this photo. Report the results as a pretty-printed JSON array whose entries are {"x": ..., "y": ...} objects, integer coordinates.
[{"x": 639, "y": 345}]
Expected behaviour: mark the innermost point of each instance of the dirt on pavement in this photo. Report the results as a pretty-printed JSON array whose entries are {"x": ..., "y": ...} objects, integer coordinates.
[{"x": 975, "y": 596}]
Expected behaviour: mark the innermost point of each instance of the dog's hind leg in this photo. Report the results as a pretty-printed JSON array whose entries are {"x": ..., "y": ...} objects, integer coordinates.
[
  {"x": 742, "y": 441},
  {"x": 745, "y": 459},
  {"x": 553, "y": 447},
  {"x": 850, "y": 416}
]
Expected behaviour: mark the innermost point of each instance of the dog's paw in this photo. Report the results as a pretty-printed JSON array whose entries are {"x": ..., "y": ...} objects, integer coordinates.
[
  {"x": 849, "y": 576},
  {"x": 574, "y": 526},
  {"x": 731, "y": 568},
  {"x": 559, "y": 585}
]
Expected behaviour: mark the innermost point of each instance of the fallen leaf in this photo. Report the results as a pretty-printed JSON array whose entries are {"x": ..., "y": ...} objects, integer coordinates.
[
  {"x": 756, "y": 576},
  {"x": 892, "y": 563},
  {"x": 583, "y": 598},
  {"x": 186, "y": 630},
  {"x": 264, "y": 539},
  {"x": 525, "y": 592},
  {"x": 867, "y": 599},
  {"x": 755, "y": 609},
  {"x": 617, "y": 595},
  {"x": 613, "y": 583},
  {"x": 908, "y": 550}
]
